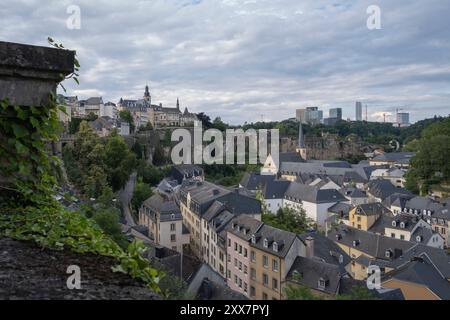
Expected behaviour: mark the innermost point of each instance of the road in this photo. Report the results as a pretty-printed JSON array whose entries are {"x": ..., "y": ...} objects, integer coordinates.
[{"x": 125, "y": 196}]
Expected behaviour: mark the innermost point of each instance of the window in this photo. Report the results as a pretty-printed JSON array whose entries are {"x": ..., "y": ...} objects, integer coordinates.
[
  {"x": 392, "y": 235},
  {"x": 240, "y": 249},
  {"x": 402, "y": 237},
  {"x": 173, "y": 238},
  {"x": 245, "y": 269},
  {"x": 245, "y": 287},
  {"x": 265, "y": 296},
  {"x": 229, "y": 274},
  {"x": 359, "y": 226},
  {"x": 253, "y": 256},
  {"x": 228, "y": 258},
  {"x": 322, "y": 283},
  {"x": 240, "y": 283},
  {"x": 235, "y": 279},
  {"x": 275, "y": 265},
  {"x": 265, "y": 261},
  {"x": 265, "y": 280},
  {"x": 245, "y": 252},
  {"x": 274, "y": 284},
  {"x": 172, "y": 227},
  {"x": 235, "y": 262},
  {"x": 240, "y": 265},
  {"x": 235, "y": 246},
  {"x": 252, "y": 274},
  {"x": 266, "y": 243},
  {"x": 358, "y": 219},
  {"x": 252, "y": 291},
  {"x": 229, "y": 242}
]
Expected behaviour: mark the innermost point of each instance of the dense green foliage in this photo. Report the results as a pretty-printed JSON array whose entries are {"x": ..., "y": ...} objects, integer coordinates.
[
  {"x": 125, "y": 115},
  {"x": 94, "y": 163},
  {"x": 142, "y": 192},
  {"x": 227, "y": 175},
  {"x": 431, "y": 165},
  {"x": 288, "y": 219},
  {"x": 149, "y": 173},
  {"x": 358, "y": 292}
]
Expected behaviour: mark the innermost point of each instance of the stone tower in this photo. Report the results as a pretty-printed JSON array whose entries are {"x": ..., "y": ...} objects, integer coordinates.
[{"x": 147, "y": 96}]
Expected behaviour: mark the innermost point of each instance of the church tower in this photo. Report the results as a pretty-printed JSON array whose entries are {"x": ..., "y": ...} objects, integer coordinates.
[
  {"x": 147, "y": 96},
  {"x": 301, "y": 148},
  {"x": 178, "y": 104}
]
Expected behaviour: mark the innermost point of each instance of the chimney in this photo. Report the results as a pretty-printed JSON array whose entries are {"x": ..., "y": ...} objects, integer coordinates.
[{"x": 309, "y": 247}]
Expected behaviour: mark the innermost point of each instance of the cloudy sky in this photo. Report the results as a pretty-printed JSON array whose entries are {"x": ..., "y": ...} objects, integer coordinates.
[{"x": 247, "y": 60}]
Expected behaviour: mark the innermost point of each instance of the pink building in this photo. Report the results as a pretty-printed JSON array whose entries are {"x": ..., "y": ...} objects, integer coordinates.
[{"x": 239, "y": 233}]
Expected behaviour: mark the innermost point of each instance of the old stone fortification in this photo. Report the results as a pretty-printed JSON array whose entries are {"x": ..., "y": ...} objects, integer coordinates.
[{"x": 326, "y": 147}]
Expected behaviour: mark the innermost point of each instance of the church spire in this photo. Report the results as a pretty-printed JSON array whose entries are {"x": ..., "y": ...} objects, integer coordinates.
[
  {"x": 147, "y": 96},
  {"x": 178, "y": 104}
]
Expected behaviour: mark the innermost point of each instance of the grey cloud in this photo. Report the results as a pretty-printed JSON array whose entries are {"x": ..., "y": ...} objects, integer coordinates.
[{"x": 240, "y": 59}]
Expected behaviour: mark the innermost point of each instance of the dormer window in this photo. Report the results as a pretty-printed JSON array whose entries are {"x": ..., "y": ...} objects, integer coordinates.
[
  {"x": 266, "y": 243},
  {"x": 253, "y": 239},
  {"x": 355, "y": 243},
  {"x": 322, "y": 284},
  {"x": 402, "y": 225},
  {"x": 275, "y": 247},
  {"x": 419, "y": 238},
  {"x": 388, "y": 253},
  {"x": 238, "y": 228},
  {"x": 172, "y": 216},
  {"x": 394, "y": 223}
]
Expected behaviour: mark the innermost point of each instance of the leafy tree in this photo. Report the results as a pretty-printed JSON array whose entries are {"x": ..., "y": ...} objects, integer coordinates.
[
  {"x": 142, "y": 192},
  {"x": 206, "y": 120},
  {"x": 137, "y": 150},
  {"x": 119, "y": 161},
  {"x": 358, "y": 292},
  {"x": 149, "y": 174},
  {"x": 219, "y": 124},
  {"x": 125, "y": 115},
  {"x": 91, "y": 116},
  {"x": 158, "y": 156},
  {"x": 430, "y": 166},
  {"x": 108, "y": 218},
  {"x": 74, "y": 125},
  {"x": 293, "y": 220}
]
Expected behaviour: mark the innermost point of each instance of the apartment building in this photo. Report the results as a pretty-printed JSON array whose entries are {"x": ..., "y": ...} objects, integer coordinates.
[
  {"x": 164, "y": 222},
  {"x": 272, "y": 253},
  {"x": 239, "y": 233}
]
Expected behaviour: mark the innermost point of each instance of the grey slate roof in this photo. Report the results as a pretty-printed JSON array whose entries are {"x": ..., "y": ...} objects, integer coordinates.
[
  {"x": 370, "y": 209},
  {"x": 424, "y": 273},
  {"x": 310, "y": 271},
  {"x": 327, "y": 251},
  {"x": 342, "y": 209},
  {"x": 283, "y": 238},
  {"x": 290, "y": 157},
  {"x": 382, "y": 189},
  {"x": 438, "y": 257},
  {"x": 372, "y": 244},
  {"x": 300, "y": 192},
  {"x": 276, "y": 189},
  {"x": 158, "y": 203},
  {"x": 353, "y": 192},
  {"x": 255, "y": 180},
  {"x": 247, "y": 226},
  {"x": 395, "y": 156}
]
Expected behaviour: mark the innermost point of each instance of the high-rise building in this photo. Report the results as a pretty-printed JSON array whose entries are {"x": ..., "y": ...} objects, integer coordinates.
[
  {"x": 336, "y": 113},
  {"x": 358, "y": 111},
  {"x": 403, "y": 119},
  {"x": 310, "y": 115}
]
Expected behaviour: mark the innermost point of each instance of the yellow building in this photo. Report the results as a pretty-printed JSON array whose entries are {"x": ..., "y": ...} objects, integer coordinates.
[
  {"x": 272, "y": 253},
  {"x": 364, "y": 216}
]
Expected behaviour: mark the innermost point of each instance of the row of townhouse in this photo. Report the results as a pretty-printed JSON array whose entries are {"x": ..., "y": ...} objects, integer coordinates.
[
  {"x": 255, "y": 259},
  {"x": 419, "y": 271}
]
